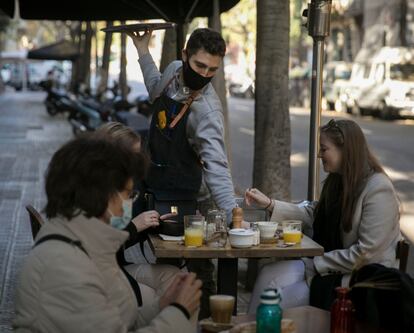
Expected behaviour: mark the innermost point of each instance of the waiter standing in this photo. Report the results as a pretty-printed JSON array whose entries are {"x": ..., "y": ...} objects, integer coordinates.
[{"x": 186, "y": 139}]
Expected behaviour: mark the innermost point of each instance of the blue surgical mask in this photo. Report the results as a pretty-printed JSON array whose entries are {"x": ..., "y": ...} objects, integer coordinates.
[{"x": 120, "y": 222}]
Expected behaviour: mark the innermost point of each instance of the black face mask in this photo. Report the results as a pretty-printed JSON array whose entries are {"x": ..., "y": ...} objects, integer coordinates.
[{"x": 192, "y": 79}]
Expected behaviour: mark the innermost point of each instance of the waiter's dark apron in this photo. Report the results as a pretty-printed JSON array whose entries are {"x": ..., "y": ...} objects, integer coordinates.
[{"x": 175, "y": 172}]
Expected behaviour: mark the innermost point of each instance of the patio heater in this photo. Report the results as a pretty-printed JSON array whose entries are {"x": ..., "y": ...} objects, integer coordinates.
[{"x": 318, "y": 24}]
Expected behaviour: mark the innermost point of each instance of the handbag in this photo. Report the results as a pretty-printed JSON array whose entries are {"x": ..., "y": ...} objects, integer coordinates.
[{"x": 163, "y": 201}]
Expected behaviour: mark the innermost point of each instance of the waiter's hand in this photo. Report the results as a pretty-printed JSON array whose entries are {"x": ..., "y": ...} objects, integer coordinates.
[
  {"x": 146, "y": 220},
  {"x": 141, "y": 41}
]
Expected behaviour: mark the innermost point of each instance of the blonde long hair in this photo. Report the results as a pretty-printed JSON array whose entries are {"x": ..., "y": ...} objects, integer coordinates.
[{"x": 119, "y": 133}]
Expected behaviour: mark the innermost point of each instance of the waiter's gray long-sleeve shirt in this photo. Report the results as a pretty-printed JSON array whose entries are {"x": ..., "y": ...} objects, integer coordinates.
[{"x": 205, "y": 130}]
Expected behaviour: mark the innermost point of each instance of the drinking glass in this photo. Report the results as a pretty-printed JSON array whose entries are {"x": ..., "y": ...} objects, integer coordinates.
[
  {"x": 193, "y": 230},
  {"x": 292, "y": 231},
  {"x": 216, "y": 228}
]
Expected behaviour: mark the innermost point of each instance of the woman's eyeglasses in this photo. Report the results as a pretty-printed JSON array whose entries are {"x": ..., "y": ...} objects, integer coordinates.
[{"x": 134, "y": 195}]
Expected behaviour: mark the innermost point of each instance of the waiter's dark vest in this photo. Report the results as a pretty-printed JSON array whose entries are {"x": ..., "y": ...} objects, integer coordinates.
[{"x": 175, "y": 167}]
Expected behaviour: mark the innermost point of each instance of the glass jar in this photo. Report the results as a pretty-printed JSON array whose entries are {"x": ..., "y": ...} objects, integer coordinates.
[
  {"x": 216, "y": 228},
  {"x": 256, "y": 231}
]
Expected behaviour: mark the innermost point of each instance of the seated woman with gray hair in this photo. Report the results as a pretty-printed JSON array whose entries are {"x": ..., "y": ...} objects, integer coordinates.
[{"x": 70, "y": 281}]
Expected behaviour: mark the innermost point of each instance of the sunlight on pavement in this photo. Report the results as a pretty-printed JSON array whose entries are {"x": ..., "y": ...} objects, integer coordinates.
[
  {"x": 397, "y": 175},
  {"x": 298, "y": 159},
  {"x": 246, "y": 131}
]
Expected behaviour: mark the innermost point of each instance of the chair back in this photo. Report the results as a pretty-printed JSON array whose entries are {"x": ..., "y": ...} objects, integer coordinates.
[
  {"x": 402, "y": 254},
  {"x": 36, "y": 220}
]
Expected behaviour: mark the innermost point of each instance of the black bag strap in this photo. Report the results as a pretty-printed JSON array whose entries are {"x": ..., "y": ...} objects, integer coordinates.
[
  {"x": 134, "y": 285},
  {"x": 77, "y": 243},
  {"x": 61, "y": 238}
]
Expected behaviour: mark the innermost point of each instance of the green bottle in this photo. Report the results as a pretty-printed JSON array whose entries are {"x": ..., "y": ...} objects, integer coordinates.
[{"x": 269, "y": 312}]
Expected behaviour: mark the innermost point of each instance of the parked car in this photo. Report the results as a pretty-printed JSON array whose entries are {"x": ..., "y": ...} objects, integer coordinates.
[
  {"x": 239, "y": 83},
  {"x": 336, "y": 78},
  {"x": 382, "y": 84}
]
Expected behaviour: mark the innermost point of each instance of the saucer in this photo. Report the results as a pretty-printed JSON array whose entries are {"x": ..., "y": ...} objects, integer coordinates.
[
  {"x": 272, "y": 240},
  {"x": 210, "y": 326}
]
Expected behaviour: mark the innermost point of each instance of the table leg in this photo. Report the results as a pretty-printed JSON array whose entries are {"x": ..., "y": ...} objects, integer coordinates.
[{"x": 227, "y": 278}]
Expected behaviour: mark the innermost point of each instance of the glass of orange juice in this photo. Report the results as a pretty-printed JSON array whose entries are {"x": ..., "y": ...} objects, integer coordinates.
[
  {"x": 292, "y": 231},
  {"x": 193, "y": 230}
]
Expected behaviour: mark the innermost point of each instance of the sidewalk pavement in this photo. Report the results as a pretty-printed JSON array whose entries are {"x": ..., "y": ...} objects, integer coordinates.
[{"x": 28, "y": 138}]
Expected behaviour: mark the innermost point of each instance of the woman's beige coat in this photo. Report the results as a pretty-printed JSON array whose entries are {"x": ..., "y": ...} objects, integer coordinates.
[
  {"x": 62, "y": 289},
  {"x": 375, "y": 229}
]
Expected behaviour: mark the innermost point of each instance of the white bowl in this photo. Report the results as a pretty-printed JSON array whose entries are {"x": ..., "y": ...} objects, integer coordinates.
[
  {"x": 267, "y": 229},
  {"x": 241, "y": 238}
]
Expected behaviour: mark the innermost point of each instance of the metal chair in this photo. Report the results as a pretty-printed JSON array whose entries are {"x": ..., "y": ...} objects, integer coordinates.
[
  {"x": 36, "y": 220},
  {"x": 402, "y": 254}
]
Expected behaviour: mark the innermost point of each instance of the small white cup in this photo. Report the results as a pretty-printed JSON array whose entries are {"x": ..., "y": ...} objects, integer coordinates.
[{"x": 267, "y": 229}]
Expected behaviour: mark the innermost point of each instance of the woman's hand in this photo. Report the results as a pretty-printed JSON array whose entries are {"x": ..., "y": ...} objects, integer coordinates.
[
  {"x": 184, "y": 290},
  {"x": 141, "y": 42},
  {"x": 146, "y": 220},
  {"x": 150, "y": 219},
  {"x": 172, "y": 291},
  {"x": 254, "y": 197}
]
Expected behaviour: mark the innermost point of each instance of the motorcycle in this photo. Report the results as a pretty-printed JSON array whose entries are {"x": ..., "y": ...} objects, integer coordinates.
[
  {"x": 58, "y": 101},
  {"x": 91, "y": 112}
]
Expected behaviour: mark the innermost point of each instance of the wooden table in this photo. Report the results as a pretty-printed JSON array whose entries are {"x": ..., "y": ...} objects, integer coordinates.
[{"x": 228, "y": 257}]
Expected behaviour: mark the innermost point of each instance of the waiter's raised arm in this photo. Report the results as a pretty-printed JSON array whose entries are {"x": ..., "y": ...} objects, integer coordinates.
[
  {"x": 150, "y": 72},
  {"x": 141, "y": 42}
]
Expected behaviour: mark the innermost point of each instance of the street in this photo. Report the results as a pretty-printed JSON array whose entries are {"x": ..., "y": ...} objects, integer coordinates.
[{"x": 391, "y": 141}]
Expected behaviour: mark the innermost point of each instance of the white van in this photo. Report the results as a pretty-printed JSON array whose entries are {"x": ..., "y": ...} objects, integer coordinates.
[{"x": 382, "y": 83}]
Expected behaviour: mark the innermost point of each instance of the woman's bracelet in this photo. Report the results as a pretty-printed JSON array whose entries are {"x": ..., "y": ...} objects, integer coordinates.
[{"x": 270, "y": 203}]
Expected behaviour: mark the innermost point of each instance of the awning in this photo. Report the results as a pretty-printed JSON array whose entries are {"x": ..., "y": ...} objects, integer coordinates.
[
  {"x": 178, "y": 11},
  {"x": 13, "y": 55},
  {"x": 62, "y": 50}
]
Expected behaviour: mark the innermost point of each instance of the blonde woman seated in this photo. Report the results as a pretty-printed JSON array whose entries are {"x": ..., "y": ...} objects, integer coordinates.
[
  {"x": 356, "y": 220},
  {"x": 154, "y": 279}
]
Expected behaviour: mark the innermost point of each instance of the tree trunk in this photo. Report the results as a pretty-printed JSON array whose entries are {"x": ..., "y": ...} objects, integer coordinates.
[
  {"x": 96, "y": 52},
  {"x": 272, "y": 124},
  {"x": 85, "y": 64},
  {"x": 76, "y": 36},
  {"x": 169, "y": 47},
  {"x": 122, "y": 73},
  {"x": 104, "y": 72},
  {"x": 219, "y": 82},
  {"x": 403, "y": 22}
]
